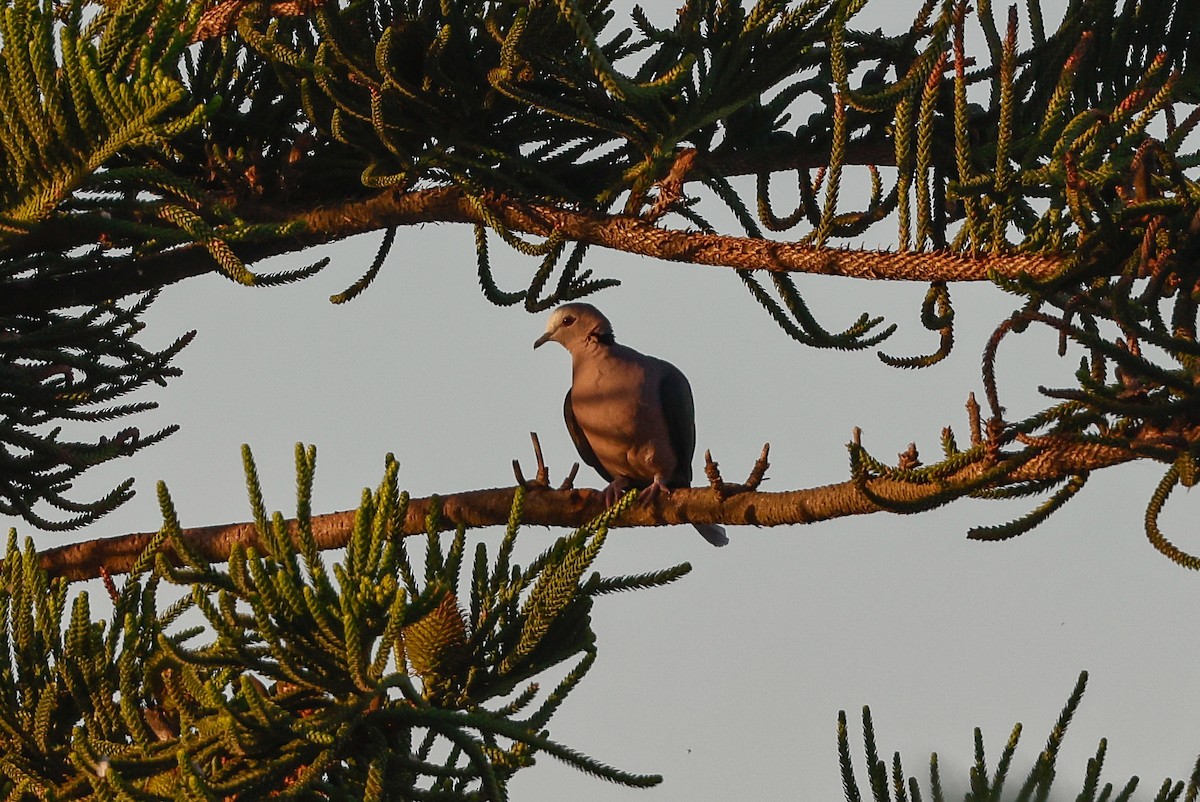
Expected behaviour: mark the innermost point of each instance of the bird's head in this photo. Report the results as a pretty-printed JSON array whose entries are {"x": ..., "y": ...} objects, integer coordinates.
[{"x": 572, "y": 325}]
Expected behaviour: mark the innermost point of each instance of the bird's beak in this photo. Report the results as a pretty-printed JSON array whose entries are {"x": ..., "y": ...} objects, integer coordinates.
[{"x": 545, "y": 338}]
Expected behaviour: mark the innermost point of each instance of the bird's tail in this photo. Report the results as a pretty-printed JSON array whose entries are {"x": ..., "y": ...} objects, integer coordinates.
[{"x": 713, "y": 533}]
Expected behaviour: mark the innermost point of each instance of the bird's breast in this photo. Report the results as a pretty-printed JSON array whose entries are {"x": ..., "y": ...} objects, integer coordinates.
[{"x": 618, "y": 409}]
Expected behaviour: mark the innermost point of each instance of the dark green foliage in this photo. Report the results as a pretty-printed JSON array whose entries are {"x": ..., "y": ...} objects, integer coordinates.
[
  {"x": 61, "y": 367},
  {"x": 71, "y": 191},
  {"x": 992, "y": 786},
  {"x": 1069, "y": 163},
  {"x": 366, "y": 681}
]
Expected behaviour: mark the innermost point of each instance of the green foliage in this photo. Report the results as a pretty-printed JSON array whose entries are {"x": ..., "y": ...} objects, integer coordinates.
[
  {"x": 92, "y": 104},
  {"x": 1057, "y": 157},
  {"x": 1070, "y": 166},
  {"x": 70, "y": 367},
  {"x": 71, "y": 107},
  {"x": 88, "y": 106},
  {"x": 367, "y": 680},
  {"x": 891, "y": 784}
]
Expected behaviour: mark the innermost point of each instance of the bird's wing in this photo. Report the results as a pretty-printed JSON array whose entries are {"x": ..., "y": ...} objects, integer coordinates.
[
  {"x": 580, "y": 440},
  {"x": 679, "y": 411},
  {"x": 680, "y": 414}
]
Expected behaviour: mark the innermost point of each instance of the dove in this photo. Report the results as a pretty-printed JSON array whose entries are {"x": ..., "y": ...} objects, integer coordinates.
[{"x": 631, "y": 416}]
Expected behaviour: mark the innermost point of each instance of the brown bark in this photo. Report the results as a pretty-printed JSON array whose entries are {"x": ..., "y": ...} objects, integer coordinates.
[
  {"x": 575, "y": 507},
  {"x": 449, "y": 205}
]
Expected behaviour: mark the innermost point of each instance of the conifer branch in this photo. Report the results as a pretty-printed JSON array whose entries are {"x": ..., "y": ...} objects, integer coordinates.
[
  {"x": 300, "y": 685},
  {"x": 627, "y": 233},
  {"x": 543, "y": 506}
]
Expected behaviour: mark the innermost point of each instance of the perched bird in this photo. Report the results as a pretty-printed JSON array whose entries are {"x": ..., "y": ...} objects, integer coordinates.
[{"x": 630, "y": 415}]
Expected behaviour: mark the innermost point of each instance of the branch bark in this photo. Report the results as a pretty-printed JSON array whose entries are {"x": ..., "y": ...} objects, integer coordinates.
[
  {"x": 450, "y": 205},
  {"x": 575, "y": 507}
]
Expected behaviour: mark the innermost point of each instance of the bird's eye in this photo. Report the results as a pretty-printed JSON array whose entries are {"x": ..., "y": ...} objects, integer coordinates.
[{"x": 568, "y": 320}]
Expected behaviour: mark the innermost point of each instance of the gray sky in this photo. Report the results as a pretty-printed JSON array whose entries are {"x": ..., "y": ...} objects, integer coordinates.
[{"x": 729, "y": 681}]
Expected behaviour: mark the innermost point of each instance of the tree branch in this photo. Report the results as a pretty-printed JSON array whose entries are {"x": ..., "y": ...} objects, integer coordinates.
[
  {"x": 450, "y": 205},
  {"x": 575, "y": 507}
]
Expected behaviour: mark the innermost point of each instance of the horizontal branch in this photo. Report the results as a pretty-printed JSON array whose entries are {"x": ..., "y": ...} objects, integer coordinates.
[
  {"x": 334, "y": 222},
  {"x": 638, "y": 236},
  {"x": 575, "y": 507}
]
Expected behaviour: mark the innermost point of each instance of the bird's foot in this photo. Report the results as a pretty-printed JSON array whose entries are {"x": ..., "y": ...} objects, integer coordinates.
[
  {"x": 616, "y": 488},
  {"x": 653, "y": 489}
]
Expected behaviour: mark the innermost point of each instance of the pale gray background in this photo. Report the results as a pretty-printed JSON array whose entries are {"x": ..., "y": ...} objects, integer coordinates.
[{"x": 729, "y": 681}]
